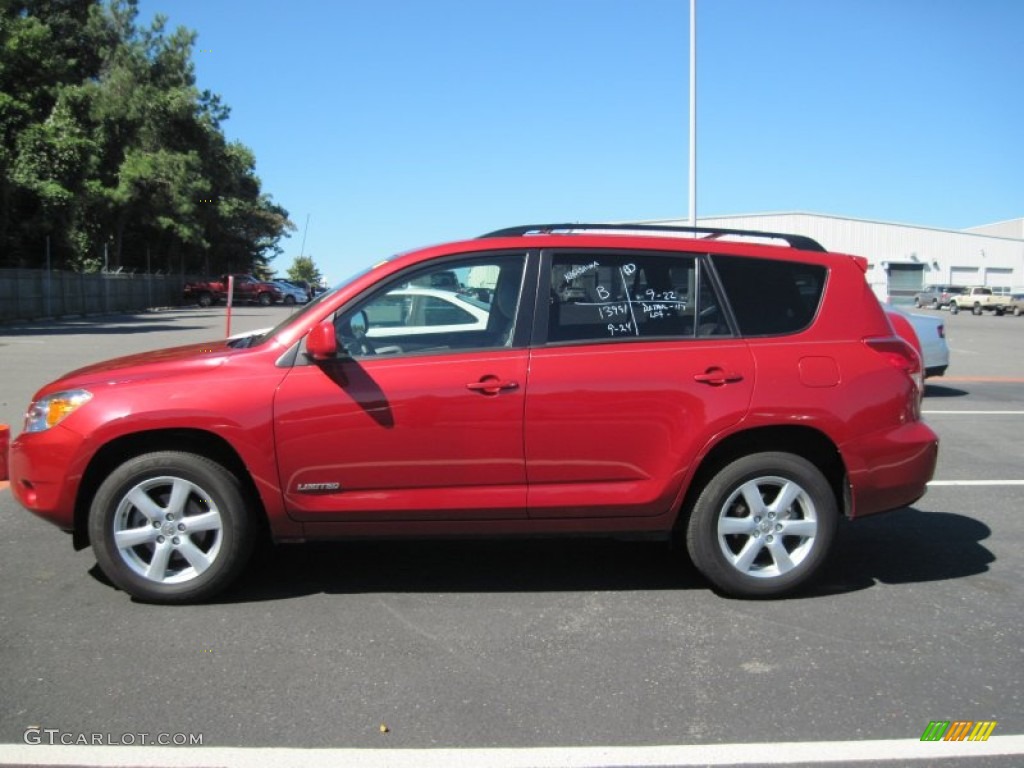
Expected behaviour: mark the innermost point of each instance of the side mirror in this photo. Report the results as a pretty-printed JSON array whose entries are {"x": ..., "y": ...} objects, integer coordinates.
[
  {"x": 359, "y": 323},
  {"x": 322, "y": 343}
]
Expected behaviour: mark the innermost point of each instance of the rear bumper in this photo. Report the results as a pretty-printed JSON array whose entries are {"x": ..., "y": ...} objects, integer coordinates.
[{"x": 889, "y": 470}]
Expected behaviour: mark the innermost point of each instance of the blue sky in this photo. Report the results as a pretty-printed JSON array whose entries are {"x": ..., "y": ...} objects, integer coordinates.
[{"x": 393, "y": 124}]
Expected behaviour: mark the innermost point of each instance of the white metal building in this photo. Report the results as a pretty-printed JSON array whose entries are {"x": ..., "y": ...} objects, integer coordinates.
[{"x": 903, "y": 257}]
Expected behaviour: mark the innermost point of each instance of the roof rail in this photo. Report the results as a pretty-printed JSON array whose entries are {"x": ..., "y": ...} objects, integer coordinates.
[{"x": 800, "y": 242}]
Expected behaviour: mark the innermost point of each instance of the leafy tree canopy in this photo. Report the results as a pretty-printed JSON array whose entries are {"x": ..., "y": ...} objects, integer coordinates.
[
  {"x": 108, "y": 150},
  {"x": 303, "y": 269}
]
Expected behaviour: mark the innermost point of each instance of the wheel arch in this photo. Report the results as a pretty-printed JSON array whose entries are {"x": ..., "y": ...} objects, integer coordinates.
[
  {"x": 806, "y": 442},
  {"x": 119, "y": 450}
]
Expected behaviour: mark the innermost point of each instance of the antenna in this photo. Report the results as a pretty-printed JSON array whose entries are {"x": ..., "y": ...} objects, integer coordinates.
[{"x": 305, "y": 229}]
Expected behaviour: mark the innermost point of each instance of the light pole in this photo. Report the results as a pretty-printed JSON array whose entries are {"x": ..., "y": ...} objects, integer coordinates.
[{"x": 693, "y": 113}]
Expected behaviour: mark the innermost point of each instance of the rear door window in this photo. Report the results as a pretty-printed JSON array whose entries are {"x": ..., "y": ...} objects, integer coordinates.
[{"x": 599, "y": 296}]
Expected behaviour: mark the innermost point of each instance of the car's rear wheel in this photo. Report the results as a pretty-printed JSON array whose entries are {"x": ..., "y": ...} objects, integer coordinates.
[
  {"x": 170, "y": 527},
  {"x": 976, "y": 309},
  {"x": 935, "y": 303},
  {"x": 763, "y": 525},
  {"x": 264, "y": 300}
]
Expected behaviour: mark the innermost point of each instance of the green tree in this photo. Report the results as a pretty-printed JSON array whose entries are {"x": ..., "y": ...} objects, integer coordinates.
[
  {"x": 46, "y": 47},
  {"x": 105, "y": 139},
  {"x": 303, "y": 269}
]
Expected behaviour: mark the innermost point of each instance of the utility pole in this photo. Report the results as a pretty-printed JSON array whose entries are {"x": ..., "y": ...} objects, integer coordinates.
[{"x": 693, "y": 113}]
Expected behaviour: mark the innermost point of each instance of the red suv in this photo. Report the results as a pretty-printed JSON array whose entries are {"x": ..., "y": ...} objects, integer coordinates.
[{"x": 741, "y": 390}]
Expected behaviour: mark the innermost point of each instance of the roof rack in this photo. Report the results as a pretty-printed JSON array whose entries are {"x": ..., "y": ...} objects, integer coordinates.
[{"x": 800, "y": 242}]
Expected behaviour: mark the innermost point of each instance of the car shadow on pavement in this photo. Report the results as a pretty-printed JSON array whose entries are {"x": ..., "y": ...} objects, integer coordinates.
[
  {"x": 98, "y": 327},
  {"x": 941, "y": 390},
  {"x": 903, "y": 547},
  {"x": 524, "y": 565},
  {"x": 142, "y": 322}
]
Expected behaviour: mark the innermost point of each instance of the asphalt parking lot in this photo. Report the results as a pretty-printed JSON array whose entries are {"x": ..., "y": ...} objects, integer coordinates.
[{"x": 532, "y": 644}]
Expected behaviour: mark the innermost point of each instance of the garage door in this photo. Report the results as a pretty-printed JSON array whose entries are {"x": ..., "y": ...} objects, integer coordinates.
[
  {"x": 964, "y": 276},
  {"x": 997, "y": 277},
  {"x": 904, "y": 281}
]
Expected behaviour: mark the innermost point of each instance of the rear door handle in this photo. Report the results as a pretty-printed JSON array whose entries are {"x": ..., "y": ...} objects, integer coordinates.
[
  {"x": 716, "y": 377},
  {"x": 491, "y": 385}
]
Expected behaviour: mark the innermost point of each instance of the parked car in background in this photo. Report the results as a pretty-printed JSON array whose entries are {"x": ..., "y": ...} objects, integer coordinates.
[
  {"x": 429, "y": 314},
  {"x": 930, "y": 332},
  {"x": 291, "y": 294},
  {"x": 626, "y": 381},
  {"x": 246, "y": 289},
  {"x": 979, "y": 299},
  {"x": 937, "y": 296},
  {"x": 1016, "y": 304}
]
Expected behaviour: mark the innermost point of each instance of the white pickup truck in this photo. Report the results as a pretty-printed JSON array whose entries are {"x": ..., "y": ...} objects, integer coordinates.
[{"x": 979, "y": 299}]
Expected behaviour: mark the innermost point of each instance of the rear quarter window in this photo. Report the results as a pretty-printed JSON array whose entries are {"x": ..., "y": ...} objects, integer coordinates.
[{"x": 771, "y": 297}]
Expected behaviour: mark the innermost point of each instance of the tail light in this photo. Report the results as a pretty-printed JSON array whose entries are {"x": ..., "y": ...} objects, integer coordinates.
[
  {"x": 942, "y": 331},
  {"x": 901, "y": 354}
]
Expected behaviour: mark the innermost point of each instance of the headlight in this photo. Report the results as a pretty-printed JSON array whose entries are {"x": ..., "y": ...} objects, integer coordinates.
[{"x": 53, "y": 409}]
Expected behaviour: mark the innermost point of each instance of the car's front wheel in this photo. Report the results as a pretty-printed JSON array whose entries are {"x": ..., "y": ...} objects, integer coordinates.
[
  {"x": 763, "y": 525},
  {"x": 170, "y": 527}
]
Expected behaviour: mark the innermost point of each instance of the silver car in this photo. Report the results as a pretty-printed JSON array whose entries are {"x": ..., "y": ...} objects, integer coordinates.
[
  {"x": 931, "y": 333},
  {"x": 291, "y": 294}
]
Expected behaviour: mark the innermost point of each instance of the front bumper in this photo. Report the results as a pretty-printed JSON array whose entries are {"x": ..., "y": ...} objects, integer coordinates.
[{"x": 46, "y": 470}]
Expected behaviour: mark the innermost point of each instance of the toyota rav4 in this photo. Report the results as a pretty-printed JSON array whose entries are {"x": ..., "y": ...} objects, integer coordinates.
[{"x": 561, "y": 379}]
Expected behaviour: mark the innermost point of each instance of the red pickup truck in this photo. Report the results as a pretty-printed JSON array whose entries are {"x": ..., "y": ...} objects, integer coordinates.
[{"x": 246, "y": 288}]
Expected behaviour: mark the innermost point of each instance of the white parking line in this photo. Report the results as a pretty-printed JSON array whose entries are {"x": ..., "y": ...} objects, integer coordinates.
[
  {"x": 810, "y": 752},
  {"x": 975, "y": 482},
  {"x": 975, "y": 413}
]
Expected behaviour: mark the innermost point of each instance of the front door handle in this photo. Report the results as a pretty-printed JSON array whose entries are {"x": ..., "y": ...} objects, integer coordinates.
[
  {"x": 716, "y": 377},
  {"x": 491, "y": 385}
]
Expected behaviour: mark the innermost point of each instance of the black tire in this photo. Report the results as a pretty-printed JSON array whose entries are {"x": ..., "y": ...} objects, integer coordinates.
[
  {"x": 742, "y": 552},
  {"x": 289, "y": 299},
  {"x": 205, "y": 299},
  {"x": 1016, "y": 311},
  {"x": 935, "y": 304},
  {"x": 264, "y": 300},
  {"x": 954, "y": 308},
  {"x": 917, "y": 302},
  {"x": 976, "y": 309},
  {"x": 153, "y": 501}
]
